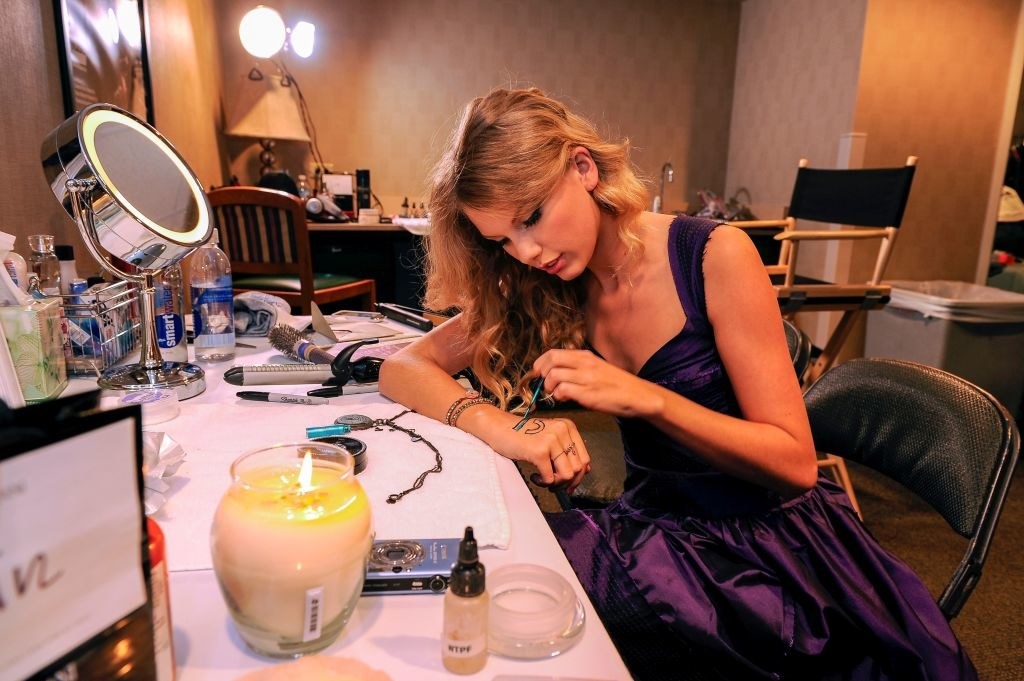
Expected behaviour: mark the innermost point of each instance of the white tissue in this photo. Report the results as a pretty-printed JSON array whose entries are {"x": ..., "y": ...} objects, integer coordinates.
[
  {"x": 161, "y": 457},
  {"x": 10, "y": 293}
]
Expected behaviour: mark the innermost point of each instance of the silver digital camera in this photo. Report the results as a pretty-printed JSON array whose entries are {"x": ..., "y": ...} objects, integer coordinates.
[{"x": 410, "y": 566}]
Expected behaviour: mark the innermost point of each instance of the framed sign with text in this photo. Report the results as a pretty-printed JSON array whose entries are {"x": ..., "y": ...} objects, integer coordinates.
[
  {"x": 74, "y": 570},
  {"x": 102, "y": 49}
]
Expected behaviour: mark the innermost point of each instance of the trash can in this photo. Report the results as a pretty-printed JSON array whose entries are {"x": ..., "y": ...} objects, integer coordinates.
[{"x": 975, "y": 332}]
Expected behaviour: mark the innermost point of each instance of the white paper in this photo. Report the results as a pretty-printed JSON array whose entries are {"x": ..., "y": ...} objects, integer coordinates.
[
  {"x": 338, "y": 183},
  {"x": 70, "y": 560}
]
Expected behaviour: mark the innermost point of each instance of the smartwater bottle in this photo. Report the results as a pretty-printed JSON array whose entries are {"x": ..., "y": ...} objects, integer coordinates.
[
  {"x": 169, "y": 306},
  {"x": 212, "y": 303}
]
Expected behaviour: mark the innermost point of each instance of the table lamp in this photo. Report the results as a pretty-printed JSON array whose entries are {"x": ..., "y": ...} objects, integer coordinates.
[{"x": 266, "y": 108}]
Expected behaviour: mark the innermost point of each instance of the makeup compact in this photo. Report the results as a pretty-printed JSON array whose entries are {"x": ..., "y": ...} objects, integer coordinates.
[{"x": 355, "y": 448}]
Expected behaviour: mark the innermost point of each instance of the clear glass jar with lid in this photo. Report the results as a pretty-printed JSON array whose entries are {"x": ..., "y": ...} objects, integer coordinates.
[{"x": 44, "y": 263}]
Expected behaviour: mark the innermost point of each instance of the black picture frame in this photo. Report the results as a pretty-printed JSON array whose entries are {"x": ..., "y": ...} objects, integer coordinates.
[{"x": 103, "y": 55}]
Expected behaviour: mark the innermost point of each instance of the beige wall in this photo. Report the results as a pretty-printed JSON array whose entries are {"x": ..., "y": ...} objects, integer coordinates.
[
  {"x": 184, "y": 67},
  {"x": 32, "y": 107},
  {"x": 933, "y": 74},
  {"x": 796, "y": 87},
  {"x": 388, "y": 79},
  {"x": 917, "y": 77}
]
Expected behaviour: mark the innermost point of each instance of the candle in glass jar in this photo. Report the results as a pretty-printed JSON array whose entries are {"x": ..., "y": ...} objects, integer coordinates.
[{"x": 290, "y": 545}]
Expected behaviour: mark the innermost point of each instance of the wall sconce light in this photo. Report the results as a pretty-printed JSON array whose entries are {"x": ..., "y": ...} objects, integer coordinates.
[{"x": 263, "y": 34}]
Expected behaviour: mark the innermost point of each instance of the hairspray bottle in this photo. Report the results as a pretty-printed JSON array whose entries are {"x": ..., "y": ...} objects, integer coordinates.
[{"x": 464, "y": 640}]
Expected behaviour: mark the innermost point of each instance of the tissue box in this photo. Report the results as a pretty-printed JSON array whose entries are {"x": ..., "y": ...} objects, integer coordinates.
[{"x": 37, "y": 347}]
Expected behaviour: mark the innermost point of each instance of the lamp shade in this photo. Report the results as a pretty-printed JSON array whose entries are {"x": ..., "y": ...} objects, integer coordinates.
[{"x": 265, "y": 109}]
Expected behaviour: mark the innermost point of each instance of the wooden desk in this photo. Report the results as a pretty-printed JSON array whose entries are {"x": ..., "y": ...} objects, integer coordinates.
[
  {"x": 352, "y": 227},
  {"x": 387, "y": 253},
  {"x": 396, "y": 634}
]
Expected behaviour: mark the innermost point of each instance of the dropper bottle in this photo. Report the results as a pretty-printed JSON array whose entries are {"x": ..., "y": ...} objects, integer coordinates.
[{"x": 464, "y": 640}]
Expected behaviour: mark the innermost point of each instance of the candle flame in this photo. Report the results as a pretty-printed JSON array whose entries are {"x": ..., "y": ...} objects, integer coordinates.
[{"x": 306, "y": 473}]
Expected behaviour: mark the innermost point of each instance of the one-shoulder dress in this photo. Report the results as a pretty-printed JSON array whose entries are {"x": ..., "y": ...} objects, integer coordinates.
[{"x": 697, "y": 574}]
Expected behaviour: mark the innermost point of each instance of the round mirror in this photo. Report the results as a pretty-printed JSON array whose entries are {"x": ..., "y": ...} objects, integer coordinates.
[{"x": 140, "y": 209}]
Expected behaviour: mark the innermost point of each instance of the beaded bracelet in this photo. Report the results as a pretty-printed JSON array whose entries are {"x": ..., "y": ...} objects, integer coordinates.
[
  {"x": 466, "y": 404},
  {"x": 470, "y": 395}
]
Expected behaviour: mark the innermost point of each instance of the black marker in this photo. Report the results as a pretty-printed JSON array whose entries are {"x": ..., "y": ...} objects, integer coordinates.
[{"x": 281, "y": 397}]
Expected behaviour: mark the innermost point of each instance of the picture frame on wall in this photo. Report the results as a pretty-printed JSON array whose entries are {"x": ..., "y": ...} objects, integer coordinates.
[{"x": 102, "y": 51}]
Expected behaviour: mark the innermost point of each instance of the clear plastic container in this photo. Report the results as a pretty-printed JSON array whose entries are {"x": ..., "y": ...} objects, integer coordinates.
[
  {"x": 534, "y": 612},
  {"x": 43, "y": 261}
]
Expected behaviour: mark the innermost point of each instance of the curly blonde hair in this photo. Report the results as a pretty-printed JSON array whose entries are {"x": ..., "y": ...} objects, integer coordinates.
[{"x": 508, "y": 153}]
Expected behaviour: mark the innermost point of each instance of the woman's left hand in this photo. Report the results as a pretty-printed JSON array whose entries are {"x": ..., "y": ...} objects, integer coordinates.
[{"x": 585, "y": 378}]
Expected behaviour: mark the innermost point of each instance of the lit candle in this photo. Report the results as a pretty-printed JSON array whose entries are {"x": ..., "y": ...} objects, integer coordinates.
[{"x": 290, "y": 543}]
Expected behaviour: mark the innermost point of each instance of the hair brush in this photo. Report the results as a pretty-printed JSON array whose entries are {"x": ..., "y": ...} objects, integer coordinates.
[{"x": 292, "y": 343}]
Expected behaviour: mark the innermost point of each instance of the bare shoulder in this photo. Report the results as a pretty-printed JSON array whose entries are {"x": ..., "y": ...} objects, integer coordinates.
[{"x": 730, "y": 251}]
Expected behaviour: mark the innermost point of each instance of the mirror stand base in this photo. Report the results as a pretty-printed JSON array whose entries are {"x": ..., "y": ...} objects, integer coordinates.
[{"x": 187, "y": 380}]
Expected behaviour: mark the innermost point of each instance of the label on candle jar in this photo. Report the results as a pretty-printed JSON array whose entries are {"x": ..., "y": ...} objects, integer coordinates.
[{"x": 314, "y": 602}]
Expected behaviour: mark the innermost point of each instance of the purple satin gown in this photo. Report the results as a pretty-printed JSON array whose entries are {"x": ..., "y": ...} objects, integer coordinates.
[{"x": 697, "y": 574}]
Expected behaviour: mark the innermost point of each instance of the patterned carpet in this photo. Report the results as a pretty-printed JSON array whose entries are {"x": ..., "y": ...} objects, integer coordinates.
[{"x": 991, "y": 624}]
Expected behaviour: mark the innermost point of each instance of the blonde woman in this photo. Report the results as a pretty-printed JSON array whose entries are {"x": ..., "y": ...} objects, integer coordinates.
[{"x": 726, "y": 556}]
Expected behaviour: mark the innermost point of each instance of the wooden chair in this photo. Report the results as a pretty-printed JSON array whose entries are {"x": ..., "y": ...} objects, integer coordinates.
[
  {"x": 866, "y": 203},
  {"x": 265, "y": 235}
]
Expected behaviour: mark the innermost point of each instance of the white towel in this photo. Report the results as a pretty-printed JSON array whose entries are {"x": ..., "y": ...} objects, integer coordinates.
[{"x": 466, "y": 492}]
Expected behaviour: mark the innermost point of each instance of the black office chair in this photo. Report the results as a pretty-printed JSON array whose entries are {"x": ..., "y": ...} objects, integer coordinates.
[
  {"x": 938, "y": 435},
  {"x": 603, "y": 484}
]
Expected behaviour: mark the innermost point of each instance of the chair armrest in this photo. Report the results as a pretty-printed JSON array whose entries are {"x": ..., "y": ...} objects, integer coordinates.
[
  {"x": 828, "y": 235},
  {"x": 754, "y": 224}
]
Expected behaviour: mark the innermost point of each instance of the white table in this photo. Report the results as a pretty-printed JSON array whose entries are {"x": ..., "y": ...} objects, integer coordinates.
[{"x": 396, "y": 634}]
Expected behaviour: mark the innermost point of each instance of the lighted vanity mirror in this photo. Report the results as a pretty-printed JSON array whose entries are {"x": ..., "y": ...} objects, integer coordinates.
[{"x": 140, "y": 209}]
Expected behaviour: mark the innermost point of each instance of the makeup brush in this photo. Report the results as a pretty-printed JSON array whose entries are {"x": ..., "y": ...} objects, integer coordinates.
[{"x": 292, "y": 343}]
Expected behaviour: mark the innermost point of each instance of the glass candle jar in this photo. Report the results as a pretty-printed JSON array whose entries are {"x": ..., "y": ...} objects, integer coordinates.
[{"x": 290, "y": 542}]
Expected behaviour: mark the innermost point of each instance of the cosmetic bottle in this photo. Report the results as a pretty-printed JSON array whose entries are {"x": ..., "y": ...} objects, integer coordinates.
[
  {"x": 464, "y": 640},
  {"x": 45, "y": 264},
  {"x": 17, "y": 268},
  {"x": 163, "y": 640}
]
